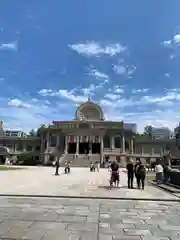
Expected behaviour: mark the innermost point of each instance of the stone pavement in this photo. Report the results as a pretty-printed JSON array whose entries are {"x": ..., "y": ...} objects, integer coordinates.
[
  {"x": 83, "y": 219},
  {"x": 80, "y": 182}
]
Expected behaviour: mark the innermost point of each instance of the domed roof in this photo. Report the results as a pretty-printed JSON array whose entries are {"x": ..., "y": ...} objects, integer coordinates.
[{"x": 89, "y": 111}]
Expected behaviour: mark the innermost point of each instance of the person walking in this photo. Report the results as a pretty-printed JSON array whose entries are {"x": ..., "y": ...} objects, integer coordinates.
[
  {"x": 141, "y": 175},
  {"x": 130, "y": 174},
  {"x": 159, "y": 172}
]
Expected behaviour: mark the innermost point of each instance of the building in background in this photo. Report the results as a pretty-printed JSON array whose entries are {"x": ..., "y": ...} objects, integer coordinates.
[
  {"x": 158, "y": 133},
  {"x": 14, "y": 133},
  {"x": 161, "y": 133}
]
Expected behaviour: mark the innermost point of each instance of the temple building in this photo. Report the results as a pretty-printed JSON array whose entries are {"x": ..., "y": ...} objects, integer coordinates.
[{"x": 88, "y": 133}]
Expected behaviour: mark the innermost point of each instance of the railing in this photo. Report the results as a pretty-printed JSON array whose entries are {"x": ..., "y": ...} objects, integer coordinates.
[{"x": 119, "y": 152}]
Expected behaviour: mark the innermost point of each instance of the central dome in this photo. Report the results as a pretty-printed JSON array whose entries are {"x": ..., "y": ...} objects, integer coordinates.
[{"x": 89, "y": 111}]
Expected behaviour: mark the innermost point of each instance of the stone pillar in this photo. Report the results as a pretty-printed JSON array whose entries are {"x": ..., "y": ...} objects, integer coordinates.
[
  {"x": 132, "y": 146},
  {"x": 57, "y": 140},
  {"x": 66, "y": 145},
  {"x": 46, "y": 157},
  {"x": 123, "y": 144},
  {"x": 24, "y": 146},
  {"x": 112, "y": 142},
  {"x": 48, "y": 140},
  {"x": 77, "y": 145},
  {"x": 102, "y": 150},
  {"x": 152, "y": 151},
  {"x": 142, "y": 151},
  {"x": 162, "y": 152}
]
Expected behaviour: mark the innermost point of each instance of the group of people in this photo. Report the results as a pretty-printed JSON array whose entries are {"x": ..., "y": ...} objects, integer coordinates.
[
  {"x": 66, "y": 168},
  {"x": 139, "y": 171},
  {"x": 136, "y": 170}
]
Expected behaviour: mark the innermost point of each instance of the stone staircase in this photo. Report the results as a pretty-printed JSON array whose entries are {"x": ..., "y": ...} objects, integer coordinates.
[{"x": 81, "y": 161}]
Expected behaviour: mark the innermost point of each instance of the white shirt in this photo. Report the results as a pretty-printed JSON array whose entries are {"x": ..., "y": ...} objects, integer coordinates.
[{"x": 158, "y": 168}]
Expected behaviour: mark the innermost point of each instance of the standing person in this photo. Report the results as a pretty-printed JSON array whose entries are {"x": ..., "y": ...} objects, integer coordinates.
[
  {"x": 57, "y": 167},
  {"x": 141, "y": 175},
  {"x": 159, "y": 172},
  {"x": 135, "y": 171},
  {"x": 130, "y": 174},
  {"x": 98, "y": 166},
  {"x": 114, "y": 174}
]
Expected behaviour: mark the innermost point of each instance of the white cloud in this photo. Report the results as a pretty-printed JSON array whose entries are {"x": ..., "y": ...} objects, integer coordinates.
[
  {"x": 116, "y": 89},
  {"x": 119, "y": 69},
  {"x": 167, "y": 43},
  {"x": 155, "y": 110},
  {"x": 112, "y": 96},
  {"x": 18, "y": 103},
  {"x": 97, "y": 49},
  {"x": 66, "y": 94},
  {"x": 167, "y": 99},
  {"x": 45, "y": 92},
  {"x": 97, "y": 74},
  {"x": 27, "y": 114},
  {"x": 78, "y": 94},
  {"x": 12, "y": 46},
  {"x": 122, "y": 69},
  {"x": 174, "y": 41},
  {"x": 167, "y": 75},
  {"x": 143, "y": 90}
]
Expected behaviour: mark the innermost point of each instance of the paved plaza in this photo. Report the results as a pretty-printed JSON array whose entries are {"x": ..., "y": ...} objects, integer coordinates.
[
  {"x": 83, "y": 219},
  {"x": 80, "y": 182},
  {"x": 47, "y": 218}
]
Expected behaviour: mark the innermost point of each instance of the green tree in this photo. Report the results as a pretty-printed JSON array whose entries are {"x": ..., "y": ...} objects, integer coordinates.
[
  {"x": 40, "y": 129},
  {"x": 148, "y": 131},
  {"x": 33, "y": 133}
]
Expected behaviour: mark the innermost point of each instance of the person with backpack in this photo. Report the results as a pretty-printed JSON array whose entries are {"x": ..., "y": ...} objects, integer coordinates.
[
  {"x": 136, "y": 169},
  {"x": 141, "y": 175}
]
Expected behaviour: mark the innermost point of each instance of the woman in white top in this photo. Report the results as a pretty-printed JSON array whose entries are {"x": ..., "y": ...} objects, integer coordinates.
[{"x": 159, "y": 172}]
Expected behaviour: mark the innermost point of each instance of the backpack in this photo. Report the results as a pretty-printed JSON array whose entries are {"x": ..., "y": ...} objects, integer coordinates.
[{"x": 141, "y": 170}]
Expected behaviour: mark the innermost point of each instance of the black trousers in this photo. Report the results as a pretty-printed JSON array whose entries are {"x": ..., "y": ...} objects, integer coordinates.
[
  {"x": 140, "y": 181},
  {"x": 57, "y": 170},
  {"x": 130, "y": 180}
]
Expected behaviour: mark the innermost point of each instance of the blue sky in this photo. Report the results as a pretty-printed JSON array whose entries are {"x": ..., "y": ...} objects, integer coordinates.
[{"x": 125, "y": 54}]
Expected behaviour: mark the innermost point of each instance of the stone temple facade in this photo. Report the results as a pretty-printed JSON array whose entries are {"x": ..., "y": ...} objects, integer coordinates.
[{"x": 88, "y": 133}]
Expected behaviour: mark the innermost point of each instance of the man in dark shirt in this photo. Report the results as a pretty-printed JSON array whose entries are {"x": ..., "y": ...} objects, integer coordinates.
[
  {"x": 57, "y": 167},
  {"x": 130, "y": 173},
  {"x": 114, "y": 173}
]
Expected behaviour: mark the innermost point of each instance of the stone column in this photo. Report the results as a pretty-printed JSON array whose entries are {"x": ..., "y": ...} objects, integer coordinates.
[
  {"x": 46, "y": 158},
  {"x": 142, "y": 151},
  {"x": 102, "y": 150},
  {"x": 57, "y": 140},
  {"x": 112, "y": 142},
  {"x": 77, "y": 145},
  {"x": 48, "y": 140},
  {"x": 123, "y": 144},
  {"x": 24, "y": 146},
  {"x": 162, "y": 152},
  {"x": 152, "y": 151},
  {"x": 132, "y": 146},
  {"x": 66, "y": 145}
]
